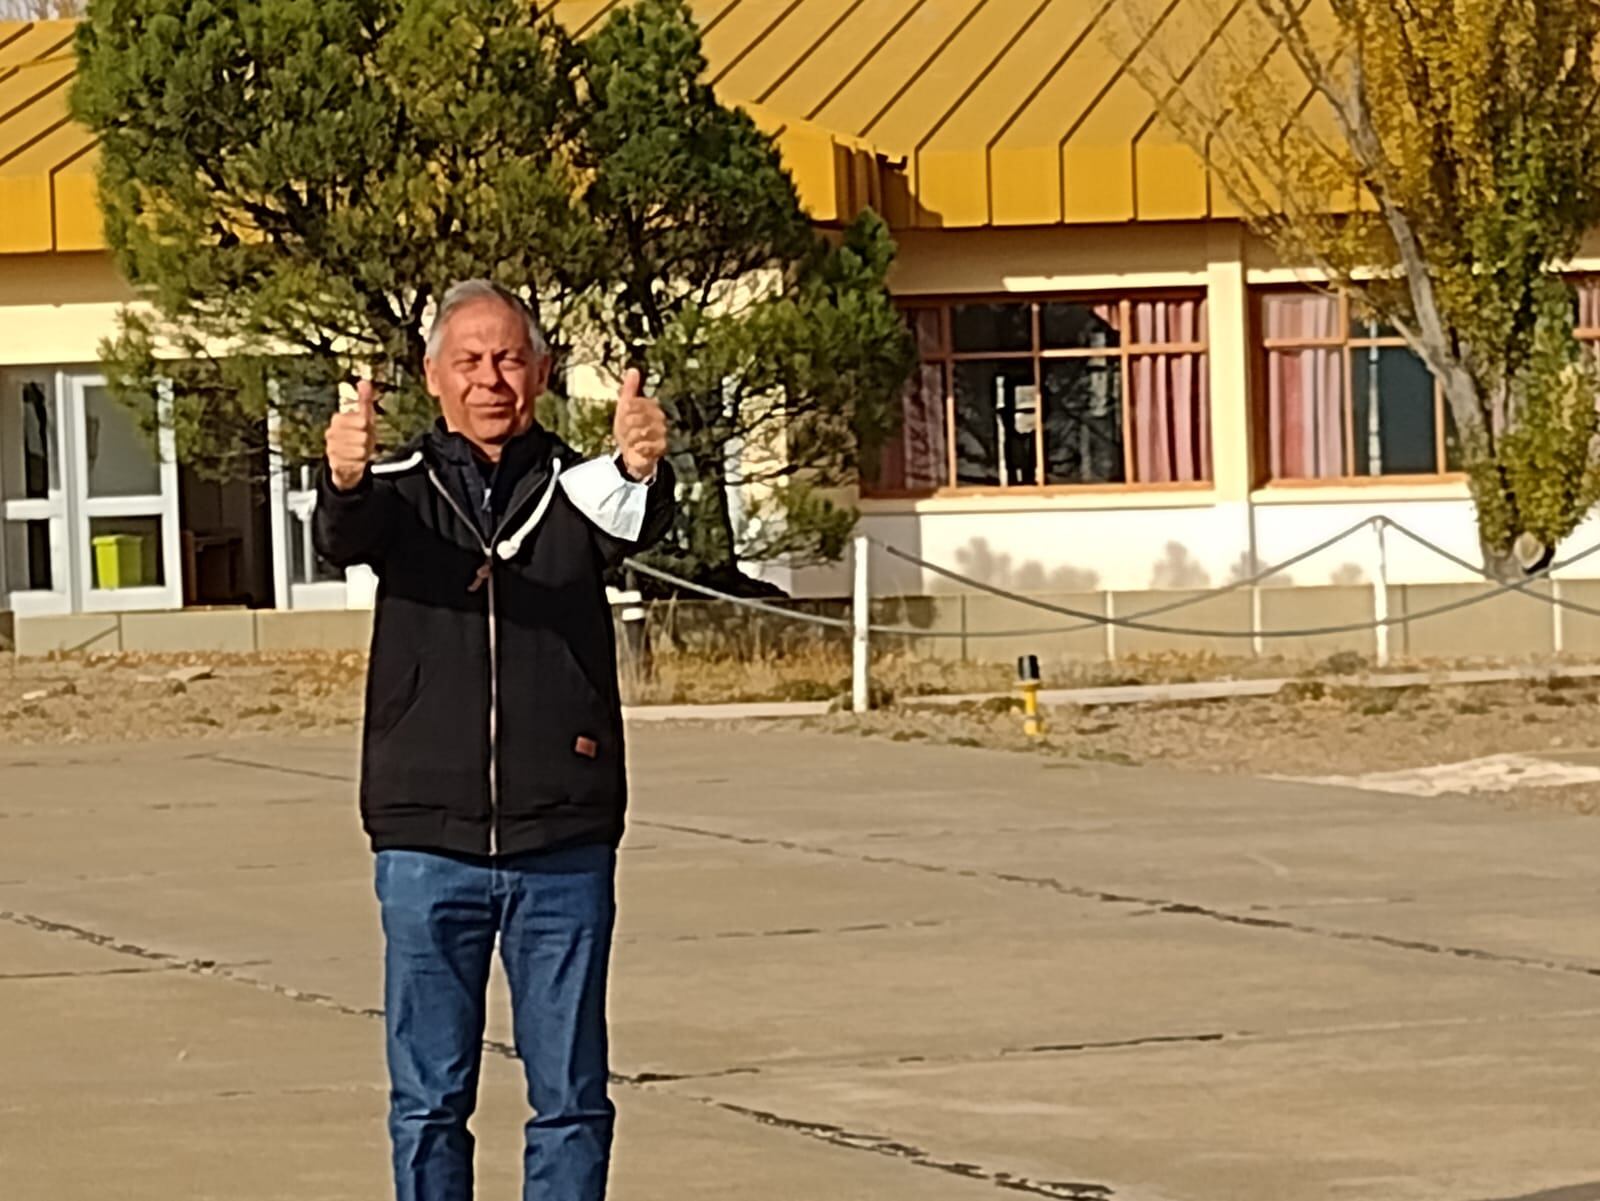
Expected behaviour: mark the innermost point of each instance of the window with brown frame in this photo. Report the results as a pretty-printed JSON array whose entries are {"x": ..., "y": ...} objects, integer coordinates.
[
  {"x": 1587, "y": 288},
  {"x": 1345, "y": 397},
  {"x": 1059, "y": 392}
]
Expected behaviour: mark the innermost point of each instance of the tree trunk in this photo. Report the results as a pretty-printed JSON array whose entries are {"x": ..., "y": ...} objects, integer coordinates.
[
  {"x": 1510, "y": 554},
  {"x": 709, "y": 535},
  {"x": 1501, "y": 564}
]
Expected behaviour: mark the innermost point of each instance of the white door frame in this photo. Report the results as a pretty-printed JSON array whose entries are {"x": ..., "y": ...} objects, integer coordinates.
[
  {"x": 293, "y": 500},
  {"x": 83, "y": 508},
  {"x": 51, "y": 508}
]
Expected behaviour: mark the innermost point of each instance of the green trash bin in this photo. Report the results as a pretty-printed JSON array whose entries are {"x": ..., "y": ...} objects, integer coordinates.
[{"x": 120, "y": 560}]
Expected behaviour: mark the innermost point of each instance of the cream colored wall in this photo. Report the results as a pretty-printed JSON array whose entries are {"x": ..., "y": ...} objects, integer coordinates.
[
  {"x": 1076, "y": 258},
  {"x": 1130, "y": 539},
  {"x": 57, "y": 308}
]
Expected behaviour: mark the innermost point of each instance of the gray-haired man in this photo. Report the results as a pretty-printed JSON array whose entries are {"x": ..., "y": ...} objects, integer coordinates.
[{"x": 493, "y": 774}]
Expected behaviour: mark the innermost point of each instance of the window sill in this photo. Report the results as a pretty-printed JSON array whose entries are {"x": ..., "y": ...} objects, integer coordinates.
[
  {"x": 1082, "y": 497},
  {"x": 1362, "y": 490}
]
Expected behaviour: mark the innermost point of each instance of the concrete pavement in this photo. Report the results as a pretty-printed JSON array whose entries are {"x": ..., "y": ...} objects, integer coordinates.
[{"x": 845, "y": 969}]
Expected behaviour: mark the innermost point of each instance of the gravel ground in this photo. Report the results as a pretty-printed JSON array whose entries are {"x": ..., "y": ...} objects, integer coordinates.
[{"x": 1311, "y": 729}]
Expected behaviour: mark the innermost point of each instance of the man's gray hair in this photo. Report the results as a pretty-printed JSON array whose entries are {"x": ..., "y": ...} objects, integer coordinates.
[{"x": 470, "y": 291}]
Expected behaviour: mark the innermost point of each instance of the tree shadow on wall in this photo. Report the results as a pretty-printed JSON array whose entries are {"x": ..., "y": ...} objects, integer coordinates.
[
  {"x": 980, "y": 561},
  {"x": 1179, "y": 571}
]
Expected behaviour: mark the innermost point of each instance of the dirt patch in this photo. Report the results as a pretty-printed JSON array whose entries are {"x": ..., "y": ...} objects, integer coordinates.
[
  {"x": 130, "y": 698},
  {"x": 1309, "y": 729}
]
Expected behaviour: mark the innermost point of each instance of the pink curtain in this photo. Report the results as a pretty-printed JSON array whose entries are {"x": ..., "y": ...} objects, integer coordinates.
[
  {"x": 1588, "y": 287},
  {"x": 1169, "y": 394},
  {"x": 1305, "y": 388}
]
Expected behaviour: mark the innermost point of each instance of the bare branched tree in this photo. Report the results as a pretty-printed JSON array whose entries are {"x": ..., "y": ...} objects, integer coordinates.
[{"x": 1438, "y": 161}]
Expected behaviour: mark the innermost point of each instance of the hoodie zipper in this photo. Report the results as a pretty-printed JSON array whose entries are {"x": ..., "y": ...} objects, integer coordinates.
[{"x": 485, "y": 578}]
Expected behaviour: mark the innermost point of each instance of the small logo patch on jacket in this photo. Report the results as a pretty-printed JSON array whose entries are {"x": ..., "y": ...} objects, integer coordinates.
[{"x": 587, "y": 747}]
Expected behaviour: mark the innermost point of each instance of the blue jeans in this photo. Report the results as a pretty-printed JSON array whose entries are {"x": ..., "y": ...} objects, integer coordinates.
[{"x": 553, "y": 912}]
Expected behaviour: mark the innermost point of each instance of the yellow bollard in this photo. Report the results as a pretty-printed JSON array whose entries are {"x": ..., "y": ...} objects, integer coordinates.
[{"x": 1028, "y": 682}]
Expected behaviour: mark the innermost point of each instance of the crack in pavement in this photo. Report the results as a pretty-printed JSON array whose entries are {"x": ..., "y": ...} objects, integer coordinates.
[
  {"x": 107, "y": 971},
  {"x": 1122, "y": 1044},
  {"x": 232, "y": 761},
  {"x": 802, "y": 1065},
  {"x": 1152, "y": 905},
  {"x": 833, "y": 1135},
  {"x": 877, "y": 1144},
  {"x": 791, "y": 932}
]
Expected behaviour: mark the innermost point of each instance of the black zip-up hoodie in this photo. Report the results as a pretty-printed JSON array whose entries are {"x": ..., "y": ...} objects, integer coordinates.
[{"x": 493, "y": 721}]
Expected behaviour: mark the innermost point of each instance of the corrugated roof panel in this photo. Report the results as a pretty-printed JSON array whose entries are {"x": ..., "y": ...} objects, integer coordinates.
[
  {"x": 25, "y": 41},
  {"x": 26, "y": 128},
  {"x": 943, "y": 85},
  {"x": 872, "y": 91},
  {"x": 1024, "y": 111},
  {"x": 1169, "y": 178},
  {"x": 826, "y": 65},
  {"x": 1018, "y": 72},
  {"x": 1025, "y": 185},
  {"x": 25, "y": 201},
  {"x": 20, "y": 85},
  {"x": 61, "y": 143},
  {"x": 1098, "y": 155},
  {"x": 35, "y": 71},
  {"x": 785, "y": 42},
  {"x": 1063, "y": 99},
  {"x": 732, "y": 33},
  {"x": 952, "y": 192},
  {"x": 79, "y": 225}
]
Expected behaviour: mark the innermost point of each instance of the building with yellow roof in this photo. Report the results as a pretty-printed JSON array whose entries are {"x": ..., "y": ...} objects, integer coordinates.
[{"x": 1119, "y": 388}]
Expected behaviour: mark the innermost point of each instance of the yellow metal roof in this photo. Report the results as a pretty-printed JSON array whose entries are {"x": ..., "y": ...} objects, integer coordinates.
[
  {"x": 939, "y": 113},
  {"x": 970, "y": 112},
  {"x": 47, "y": 199}
]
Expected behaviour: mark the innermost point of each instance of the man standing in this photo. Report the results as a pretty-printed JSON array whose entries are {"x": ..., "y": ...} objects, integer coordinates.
[{"x": 493, "y": 779}]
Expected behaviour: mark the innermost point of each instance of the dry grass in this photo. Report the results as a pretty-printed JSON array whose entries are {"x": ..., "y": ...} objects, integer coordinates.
[
  {"x": 815, "y": 673},
  {"x": 820, "y": 671}
]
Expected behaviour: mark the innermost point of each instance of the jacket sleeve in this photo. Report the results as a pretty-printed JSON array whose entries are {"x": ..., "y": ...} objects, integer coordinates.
[
  {"x": 627, "y": 517},
  {"x": 353, "y": 527}
]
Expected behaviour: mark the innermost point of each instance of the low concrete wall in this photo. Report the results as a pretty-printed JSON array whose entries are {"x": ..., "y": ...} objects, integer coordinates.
[
  {"x": 227, "y": 631},
  {"x": 79, "y": 633},
  {"x": 1288, "y": 609},
  {"x": 1511, "y": 625},
  {"x": 972, "y": 627},
  {"x": 333, "y": 630},
  {"x": 224, "y": 631},
  {"x": 1580, "y": 632}
]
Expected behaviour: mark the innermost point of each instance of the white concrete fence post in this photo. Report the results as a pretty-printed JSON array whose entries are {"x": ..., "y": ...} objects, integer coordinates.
[
  {"x": 1380, "y": 595},
  {"x": 861, "y": 620}
]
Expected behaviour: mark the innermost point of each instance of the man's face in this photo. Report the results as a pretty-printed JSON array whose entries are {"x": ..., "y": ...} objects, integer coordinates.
[{"x": 486, "y": 375}]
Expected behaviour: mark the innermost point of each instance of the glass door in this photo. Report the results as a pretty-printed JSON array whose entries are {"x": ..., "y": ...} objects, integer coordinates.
[
  {"x": 35, "y": 567},
  {"x": 123, "y": 504}
]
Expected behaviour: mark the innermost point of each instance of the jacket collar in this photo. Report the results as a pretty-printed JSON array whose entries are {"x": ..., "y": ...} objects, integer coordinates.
[
  {"x": 524, "y": 466},
  {"x": 516, "y": 455}
]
